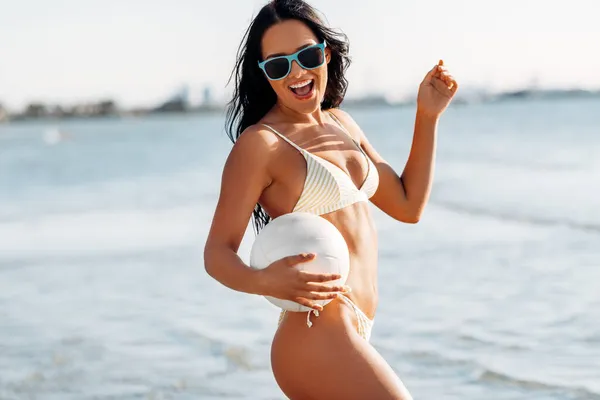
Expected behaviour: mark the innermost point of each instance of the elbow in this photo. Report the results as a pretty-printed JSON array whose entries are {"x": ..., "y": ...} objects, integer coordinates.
[
  {"x": 407, "y": 218},
  {"x": 410, "y": 215},
  {"x": 214, "y": 256},
  {"x": 408, "y": 210},
  {"x": 410, "y": 218},
  {"x": 413, "y": 219},
  {"x": 206, "y": 260},
  {"x": 413, "y": 212}
]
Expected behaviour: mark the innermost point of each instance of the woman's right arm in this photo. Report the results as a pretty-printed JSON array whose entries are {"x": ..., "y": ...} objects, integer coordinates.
[{"x": 245, "y": 176}]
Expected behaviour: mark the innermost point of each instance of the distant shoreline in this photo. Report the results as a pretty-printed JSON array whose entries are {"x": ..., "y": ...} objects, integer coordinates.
[{"x": 107, "y": 109}]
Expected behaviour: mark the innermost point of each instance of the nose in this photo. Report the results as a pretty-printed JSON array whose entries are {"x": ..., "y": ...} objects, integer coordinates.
[{"x": 296, "y": 70}]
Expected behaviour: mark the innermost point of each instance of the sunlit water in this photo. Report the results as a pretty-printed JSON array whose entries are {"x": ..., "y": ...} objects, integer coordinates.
[{"x": 495, "y": 294}]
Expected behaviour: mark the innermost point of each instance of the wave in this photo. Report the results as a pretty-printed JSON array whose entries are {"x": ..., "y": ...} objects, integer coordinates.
[
  {"x": 237, "y": 357},
  {"x": 431, "y": 357},
  {"x": 486, "y": 342},
  {"x": 102, "y": 232},
  {"x": 490, "y": 376},
  {"x": 510, "y": 216}
]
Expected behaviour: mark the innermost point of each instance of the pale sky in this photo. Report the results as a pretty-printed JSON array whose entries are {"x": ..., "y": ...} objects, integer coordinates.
[{"x": 140, "y": 51}]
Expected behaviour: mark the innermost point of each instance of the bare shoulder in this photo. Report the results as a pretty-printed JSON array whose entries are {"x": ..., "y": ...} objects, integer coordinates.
[
  {"x": 254, "y": 147},
  {"x": 246, "y": 174},
  {"x": 250, "y": 157},
  {"x": 256, "y": 139}
]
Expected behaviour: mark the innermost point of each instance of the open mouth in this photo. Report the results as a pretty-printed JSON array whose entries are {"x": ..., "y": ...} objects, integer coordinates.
[{"x": 304, "y": 89}]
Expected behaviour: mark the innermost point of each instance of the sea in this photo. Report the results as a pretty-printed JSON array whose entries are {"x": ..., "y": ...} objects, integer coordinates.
[{"x": 494, "y": 294}]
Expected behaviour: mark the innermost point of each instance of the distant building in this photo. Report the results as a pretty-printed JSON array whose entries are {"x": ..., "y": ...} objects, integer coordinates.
[
  {"x": 174, "y": 105},
  {"x": 184, "y": 95},
  {"x": 107, "y": 107},
  {"x": 35, "y": 110},
  {"x": 179, "y": 102},
  {"x": 207, "y": 98}
]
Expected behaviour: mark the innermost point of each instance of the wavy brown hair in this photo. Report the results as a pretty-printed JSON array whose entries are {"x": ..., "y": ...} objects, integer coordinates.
[{"x": 253, "y": 96}]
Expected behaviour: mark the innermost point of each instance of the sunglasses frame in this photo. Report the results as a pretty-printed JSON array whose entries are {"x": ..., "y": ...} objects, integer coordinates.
[{"x": 291, "y": 58}]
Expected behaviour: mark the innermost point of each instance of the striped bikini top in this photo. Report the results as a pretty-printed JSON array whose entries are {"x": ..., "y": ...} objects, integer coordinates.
[{"x": 327, "y": 187}]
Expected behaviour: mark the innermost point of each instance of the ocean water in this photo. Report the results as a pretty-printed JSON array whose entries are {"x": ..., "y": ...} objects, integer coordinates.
[{"x": 495, "y": 294}]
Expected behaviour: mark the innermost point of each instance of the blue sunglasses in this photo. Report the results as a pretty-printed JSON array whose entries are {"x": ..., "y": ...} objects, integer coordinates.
[{"x": 311, "y": 57}]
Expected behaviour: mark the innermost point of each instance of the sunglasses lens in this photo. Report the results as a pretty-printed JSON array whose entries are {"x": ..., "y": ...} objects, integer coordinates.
[
  {"x": 277, "y": 68},
  {"x": 311, "y": 57}
]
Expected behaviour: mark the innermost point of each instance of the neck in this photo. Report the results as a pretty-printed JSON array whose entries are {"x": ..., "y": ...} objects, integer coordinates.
[{"x": 316, "y": 117}]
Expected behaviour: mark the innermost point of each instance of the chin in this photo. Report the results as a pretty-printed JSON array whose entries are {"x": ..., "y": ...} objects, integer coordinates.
[
  {"x": 304, "y": 99},
  {"x": 307, "y": 107}
]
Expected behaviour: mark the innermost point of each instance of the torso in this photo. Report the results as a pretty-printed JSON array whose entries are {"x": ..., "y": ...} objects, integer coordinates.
[{"x": 289, "y": 171}]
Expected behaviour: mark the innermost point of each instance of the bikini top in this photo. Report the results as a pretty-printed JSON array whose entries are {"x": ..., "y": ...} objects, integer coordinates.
[{"x": 327, "y": 187}]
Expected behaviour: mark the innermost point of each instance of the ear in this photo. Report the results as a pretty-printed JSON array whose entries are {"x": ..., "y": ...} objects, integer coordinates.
[{"x": 327, "y": 54}]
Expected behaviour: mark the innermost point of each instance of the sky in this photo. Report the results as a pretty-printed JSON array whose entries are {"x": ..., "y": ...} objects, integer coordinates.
[{"x": 139, "y": 52}]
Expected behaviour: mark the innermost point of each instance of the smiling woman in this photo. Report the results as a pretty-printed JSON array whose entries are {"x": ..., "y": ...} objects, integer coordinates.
[
  {"x": 304, "y": 77},
  {"x": 296, "y": 151},
  {"x": 308, "y": 57}
]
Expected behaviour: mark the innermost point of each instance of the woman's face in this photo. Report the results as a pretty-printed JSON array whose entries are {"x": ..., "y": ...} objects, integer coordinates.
[{"x": 309, "y": 86}]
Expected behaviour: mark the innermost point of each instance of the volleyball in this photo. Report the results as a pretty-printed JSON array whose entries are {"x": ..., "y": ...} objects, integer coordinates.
[{"x": 296, "y": 233}]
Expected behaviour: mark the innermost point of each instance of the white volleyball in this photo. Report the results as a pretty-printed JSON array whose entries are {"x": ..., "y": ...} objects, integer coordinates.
[{"x": 297, "y": 233}]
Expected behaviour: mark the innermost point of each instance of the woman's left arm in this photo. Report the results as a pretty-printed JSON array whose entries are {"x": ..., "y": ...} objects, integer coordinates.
[{"x": 403, "y": 197}]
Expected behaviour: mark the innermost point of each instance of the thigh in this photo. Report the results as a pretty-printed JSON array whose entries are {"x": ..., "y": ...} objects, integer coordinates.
[{"x": 331, "y": 361}]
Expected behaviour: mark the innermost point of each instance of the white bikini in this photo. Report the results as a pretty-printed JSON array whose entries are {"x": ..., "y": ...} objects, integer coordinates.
[{"x": 328, "y": 188}]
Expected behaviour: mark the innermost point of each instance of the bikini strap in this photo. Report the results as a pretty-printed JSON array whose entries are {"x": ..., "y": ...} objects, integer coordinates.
[
  {"x": 350, "y": 136},
  {"x": 340, "y": 124},
  {"x": 300, "y": 149},
  {"x": 345, "y": 130},
  {"x": 308, "y": 321}
]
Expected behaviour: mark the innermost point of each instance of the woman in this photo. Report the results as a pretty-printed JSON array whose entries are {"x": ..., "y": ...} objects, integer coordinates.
[{"x": 295, "y": 150}]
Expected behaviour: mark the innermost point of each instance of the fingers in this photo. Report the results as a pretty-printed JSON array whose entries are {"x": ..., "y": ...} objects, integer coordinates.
[
  {"x": 448, "y": 82},
  {"x": 439, "y": 71},
  {"x": 441, "y": 87},
  {"x": 298, "y": 259},
  {"x": 318, "y": 296},
  {"x": 454, "y": 86},
  {"x": 308, "y": 299},
  {"x": 443, "y": 75},
  {"x": 436, "y": 71},
  {"x": 431, "y": 74},
  {"x": 443, "y": 81},
  {"x": 316, "y": 277},
  {"x": 447, "y": 78},
  {"x": 308, "y": 303},
  {"x": 319, "y": 287}
]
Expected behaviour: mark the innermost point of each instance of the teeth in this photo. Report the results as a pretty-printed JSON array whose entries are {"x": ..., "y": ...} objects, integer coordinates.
[{"x": 301, "y": 84}]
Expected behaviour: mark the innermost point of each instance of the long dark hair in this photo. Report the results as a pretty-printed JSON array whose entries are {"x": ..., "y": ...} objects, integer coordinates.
[{"x": 253, "y": 96}]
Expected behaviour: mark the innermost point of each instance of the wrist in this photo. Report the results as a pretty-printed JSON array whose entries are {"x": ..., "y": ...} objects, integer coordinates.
[
  {"x": 258, "y": 285},
  {"x": 427, "y": 116}
]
